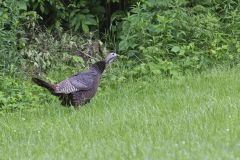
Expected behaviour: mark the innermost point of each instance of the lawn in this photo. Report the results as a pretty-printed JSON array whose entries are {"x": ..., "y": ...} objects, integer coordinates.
[{"x": 191, "y": 117}]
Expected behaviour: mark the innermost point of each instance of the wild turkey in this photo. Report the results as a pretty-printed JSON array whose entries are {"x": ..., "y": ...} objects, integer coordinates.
[{"x": 81, "y": 87}]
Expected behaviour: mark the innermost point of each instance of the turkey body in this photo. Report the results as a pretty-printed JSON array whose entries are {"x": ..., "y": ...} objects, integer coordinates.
[
  {"x": 80, "y": 88},
  {"x": 80, "y": 97}
]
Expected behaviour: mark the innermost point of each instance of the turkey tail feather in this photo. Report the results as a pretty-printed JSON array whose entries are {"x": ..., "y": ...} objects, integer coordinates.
[{"x": 44, "y": 84}]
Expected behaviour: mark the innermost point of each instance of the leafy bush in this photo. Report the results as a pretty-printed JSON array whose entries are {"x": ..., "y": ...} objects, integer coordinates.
[
  {"x": 20, "y": 22},
  {"x": 13, "y": 20},
  {"x": 44, "y": 50},
  {"x": 168, "y": 37},
  {"x": 19, "y": 93},
  {"x": 79, "y": 15},
  {"x": 83, "y": 15}
]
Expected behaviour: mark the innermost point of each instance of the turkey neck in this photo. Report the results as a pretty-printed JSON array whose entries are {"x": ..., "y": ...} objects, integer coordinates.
[{"x": 100, "y": 66}]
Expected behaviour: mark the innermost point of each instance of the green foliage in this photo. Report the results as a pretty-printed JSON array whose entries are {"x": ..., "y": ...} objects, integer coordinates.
[
  {"x": 12, "y": 22},
  {"x": 20, "y": 93},
  {"x": 77, "y": 15},
  {"x": 168, "y": 37},
  {"x": 44, "y": 50},
  {"x": 83, "y": 15},
  {"x": 24, "y": 41}
]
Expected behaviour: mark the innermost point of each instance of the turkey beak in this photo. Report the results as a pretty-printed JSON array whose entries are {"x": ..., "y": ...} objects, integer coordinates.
[
  {"x": 115, "y": 57},
  {"x": 111, "y": 57}
]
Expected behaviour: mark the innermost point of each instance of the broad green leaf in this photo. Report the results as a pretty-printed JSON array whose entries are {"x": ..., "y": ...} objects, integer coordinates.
[
  {"x": 123, "y": 45},
  {"x": 78, "y": 59},
  {"x": 85, "y": 28},
  {"x": 90, "y": 21},
  {"x": 175, "y": 49},
  {"x": 42, "y": 8},
  {"x": 22, "y": 5},
  {"x": 77, "y": 26}
]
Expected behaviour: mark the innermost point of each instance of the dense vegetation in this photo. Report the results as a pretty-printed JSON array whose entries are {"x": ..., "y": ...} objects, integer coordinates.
[
  {"x": 163, "y": 38},
  {"x": 154, "y": 38},
  {"x": 175, "y": 37}
]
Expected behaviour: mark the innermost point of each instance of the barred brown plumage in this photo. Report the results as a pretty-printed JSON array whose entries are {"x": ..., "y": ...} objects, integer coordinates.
[{"x": 80, "y": 88}]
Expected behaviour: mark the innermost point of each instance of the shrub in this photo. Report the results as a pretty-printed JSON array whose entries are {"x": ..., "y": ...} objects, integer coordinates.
[
  {"x": 44, "y": 49},
  {"x": 13, "y": 20},
  {"x": 19, "y": 93},
  {"x": 172, "y": 37}
]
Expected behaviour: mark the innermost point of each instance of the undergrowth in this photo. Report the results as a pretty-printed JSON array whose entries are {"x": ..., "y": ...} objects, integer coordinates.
[{"x": 178, "y": 37}]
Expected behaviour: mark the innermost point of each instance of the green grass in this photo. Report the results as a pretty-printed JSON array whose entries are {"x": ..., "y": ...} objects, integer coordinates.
[{"x": 193, "y": 117}]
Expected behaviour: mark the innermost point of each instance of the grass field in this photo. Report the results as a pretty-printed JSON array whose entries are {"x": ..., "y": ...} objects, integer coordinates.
[{"x": 192, "y": 117}]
